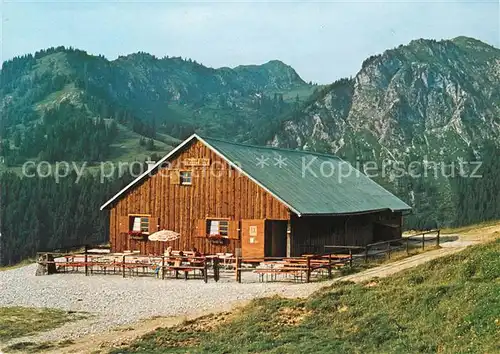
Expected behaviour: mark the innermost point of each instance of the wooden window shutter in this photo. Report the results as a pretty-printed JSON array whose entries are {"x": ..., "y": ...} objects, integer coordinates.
[
  {"x": 201, "y": 228},
  {"x": 234, "y": 229},
  {"x": 153, "y": 224},
  {"x": 123, "y": 224},
  {"x": 175, "y": 177}
]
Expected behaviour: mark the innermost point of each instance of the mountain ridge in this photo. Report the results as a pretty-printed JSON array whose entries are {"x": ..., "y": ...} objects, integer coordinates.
[
  {"x": 383, "y": 69},
  {"x": 150, "y": 96},
  {"x": 426, "y": 101}
]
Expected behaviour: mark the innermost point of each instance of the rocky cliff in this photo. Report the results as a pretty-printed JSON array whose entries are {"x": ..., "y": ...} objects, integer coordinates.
[{"x": 424, "y": 102}]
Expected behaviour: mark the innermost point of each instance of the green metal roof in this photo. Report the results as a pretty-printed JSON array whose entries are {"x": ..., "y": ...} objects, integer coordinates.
[{"x": 308, "y": 182}]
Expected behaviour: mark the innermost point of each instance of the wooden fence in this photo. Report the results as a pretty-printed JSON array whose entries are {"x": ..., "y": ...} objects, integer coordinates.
[
  {"x": 386, "y": 248},
  {"x": 96, "y": 260},
  {"x": 89, "y": 263},
  {"x": 129, "y": 264}
]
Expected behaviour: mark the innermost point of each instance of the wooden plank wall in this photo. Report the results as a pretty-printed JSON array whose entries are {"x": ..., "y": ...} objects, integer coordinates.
[
  {"x": 353, "y": 230},
  {"x": 217, "y": 191}
]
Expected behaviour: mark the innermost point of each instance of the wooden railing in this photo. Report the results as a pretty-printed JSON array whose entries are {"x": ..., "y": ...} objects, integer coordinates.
[
  {"x": 423, "y": 239},
  {"x": 386, "y": 248},
  {"x": 351, "y": 250},
  {"x": 207, "y": 266},
  {"x": 130, "y": 264}
]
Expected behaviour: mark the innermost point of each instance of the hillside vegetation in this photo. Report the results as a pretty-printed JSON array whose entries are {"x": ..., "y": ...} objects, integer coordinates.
[
  {"x": 449, "y": 305},
  {"x": 64, "y": 104},
  {"x": 18, "y": 322}
]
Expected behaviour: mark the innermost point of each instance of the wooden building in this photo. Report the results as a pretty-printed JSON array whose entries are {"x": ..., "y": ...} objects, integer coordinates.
[{"x": 252, "y": 201}]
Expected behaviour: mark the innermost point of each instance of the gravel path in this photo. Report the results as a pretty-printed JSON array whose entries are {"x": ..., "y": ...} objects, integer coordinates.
[{"x": 115, "y": 301}]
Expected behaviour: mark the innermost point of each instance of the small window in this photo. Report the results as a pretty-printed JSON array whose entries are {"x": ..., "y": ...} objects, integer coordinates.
[
  {"x": 139, "y": 224},
  {"x": 218, "y": 228},
  {"x": 185, "y": 177}
]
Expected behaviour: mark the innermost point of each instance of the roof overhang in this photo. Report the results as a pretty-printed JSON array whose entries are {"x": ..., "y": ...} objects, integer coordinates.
[{"x": 358, "y": 212}]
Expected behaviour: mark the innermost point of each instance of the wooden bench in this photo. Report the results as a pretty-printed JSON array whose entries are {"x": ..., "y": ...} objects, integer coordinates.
[
  {"x": 281, "y": 267},
  {"x": 300, "y": 266},
  {"x": 193, "y": 265},
  {"x": 274, "y": 272}
]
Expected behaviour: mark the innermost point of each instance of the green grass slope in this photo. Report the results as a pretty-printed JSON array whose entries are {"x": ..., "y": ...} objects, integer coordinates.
[
  {"x": 18, "y": 322},
  {"x": 449, "y": 305},
  {"x": 126, "y": 148}
]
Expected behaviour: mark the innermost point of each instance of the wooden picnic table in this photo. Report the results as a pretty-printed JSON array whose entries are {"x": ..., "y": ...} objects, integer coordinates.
[
  {"x": 283, "y": 267},
  {"x": 299, "y": 266}
]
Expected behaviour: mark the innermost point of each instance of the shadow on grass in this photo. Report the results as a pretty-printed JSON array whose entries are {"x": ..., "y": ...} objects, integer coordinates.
[
  {"x": 18, "y": 322},
  {"x": 32, "y": 347}
]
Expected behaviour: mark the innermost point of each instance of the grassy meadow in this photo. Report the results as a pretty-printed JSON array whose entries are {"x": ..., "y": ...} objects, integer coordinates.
[{"x": 18, "y": 322}]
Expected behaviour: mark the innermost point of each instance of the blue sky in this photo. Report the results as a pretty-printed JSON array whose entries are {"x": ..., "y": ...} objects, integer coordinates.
[{"x": 323, "y": 41}]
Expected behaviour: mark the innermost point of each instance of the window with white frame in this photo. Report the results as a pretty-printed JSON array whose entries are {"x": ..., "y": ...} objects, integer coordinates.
[
  {"x": 186, "y": 178},
  {"x": 139, "y": 223},
  {"x": 218, "y": 228}
]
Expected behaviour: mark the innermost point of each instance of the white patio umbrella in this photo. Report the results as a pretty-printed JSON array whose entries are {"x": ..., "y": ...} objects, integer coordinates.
[{"x": 164, "y": 236}]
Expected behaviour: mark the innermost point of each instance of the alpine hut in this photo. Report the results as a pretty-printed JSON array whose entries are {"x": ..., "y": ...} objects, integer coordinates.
[{"x": 254, "y": 201}]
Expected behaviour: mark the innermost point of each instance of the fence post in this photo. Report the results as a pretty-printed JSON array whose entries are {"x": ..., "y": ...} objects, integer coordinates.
[
  {"x": 350, "y": 257},
  {"x": 329, "y": 265},
  {"x": 407, "y": 246},
  {"x": 162, "y": 267},
  {"x": 216, "y": 268},
  {"x": 237, "y": 269},
  {"x": 437, "y": 238},
  {"x": 123, "y": 266},
  {"x": 86, "y": 262},
  {"x": 423, "y": 241},
  {"x": 205, "y": 270},
  {"x": 366, "y": 254},
  {"x": 308, "y": 271},
  {"x": 389, "y": 249}
]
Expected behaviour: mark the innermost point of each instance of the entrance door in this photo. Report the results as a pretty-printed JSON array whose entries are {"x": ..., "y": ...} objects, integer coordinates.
[
  {"x": 263, "y": 238},
  {"x": 252, "y": 238},
  {"x": 275, "y": 238}
]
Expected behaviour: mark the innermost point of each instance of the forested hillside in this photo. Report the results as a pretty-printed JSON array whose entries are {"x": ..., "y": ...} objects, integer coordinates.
[
  {"x": 39, "y": 214},
  {"x": 62, "y": 104},
  {"x": 62, "y": 94}
]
